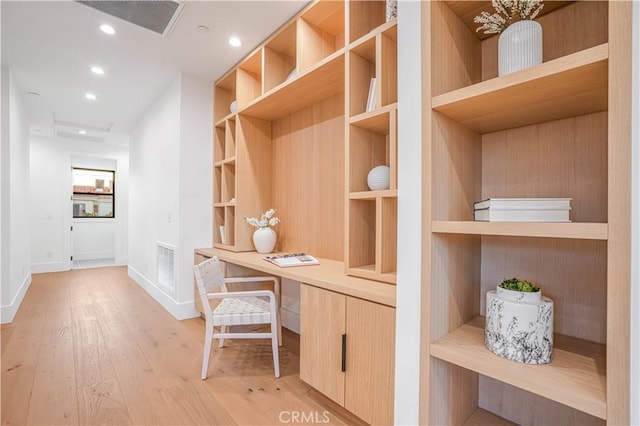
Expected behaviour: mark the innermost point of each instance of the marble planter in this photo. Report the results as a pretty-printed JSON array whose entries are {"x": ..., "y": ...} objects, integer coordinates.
[{"x": 519, "y": 326}]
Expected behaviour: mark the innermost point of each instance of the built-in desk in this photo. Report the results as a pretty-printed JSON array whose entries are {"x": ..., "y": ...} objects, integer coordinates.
[
  {"x": 329, "y": 274},
  {"x": 347, "y": 331}
]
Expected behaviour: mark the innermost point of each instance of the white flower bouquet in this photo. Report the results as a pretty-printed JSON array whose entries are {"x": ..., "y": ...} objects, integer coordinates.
[
  {"x": 507, "y": 12},
  {"x": 266, "y": 220}
]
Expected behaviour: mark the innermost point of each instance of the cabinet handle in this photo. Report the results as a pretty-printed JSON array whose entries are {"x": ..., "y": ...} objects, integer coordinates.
[{"x": 344, "y": 353}]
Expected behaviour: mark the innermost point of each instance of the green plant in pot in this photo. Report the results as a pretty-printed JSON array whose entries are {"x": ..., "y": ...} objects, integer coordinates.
[{"x": 516, "y": 284}]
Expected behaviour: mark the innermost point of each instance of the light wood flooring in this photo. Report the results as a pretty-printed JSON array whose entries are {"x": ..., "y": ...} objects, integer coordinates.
[{"x": 90, "y": 346}]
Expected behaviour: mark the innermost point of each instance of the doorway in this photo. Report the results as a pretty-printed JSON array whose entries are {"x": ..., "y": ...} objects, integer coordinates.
[{"x": 93, "y": 218}]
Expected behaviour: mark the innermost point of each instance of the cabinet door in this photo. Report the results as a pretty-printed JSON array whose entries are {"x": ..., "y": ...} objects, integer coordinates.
[
  {"x": 370, "y": 359},
  {"x": 322, "y": 316}
]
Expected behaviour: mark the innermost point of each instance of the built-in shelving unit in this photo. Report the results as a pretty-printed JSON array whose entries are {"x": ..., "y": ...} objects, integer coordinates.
[
  {"x": 553, "y": 130},
  {"x": 302, "y": 140},
  {"x": 370, "y": 240},
  {"x": 314, "y": 73}
]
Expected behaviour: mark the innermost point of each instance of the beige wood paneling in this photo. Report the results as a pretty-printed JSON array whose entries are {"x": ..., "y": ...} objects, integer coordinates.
[
  {"x": 254, "y": 176},
  {"x": 322, "y": 324},
  {"x": 370, "y": 361},
  {"x": 455, "y": 52},
  {"x": 308, "y": 179},
  {"x": 524, "y": 407},
  {"x": 563, "y": 158},
  {"x": 619, "y": 213},
  {"x": 456, "y": 169}
]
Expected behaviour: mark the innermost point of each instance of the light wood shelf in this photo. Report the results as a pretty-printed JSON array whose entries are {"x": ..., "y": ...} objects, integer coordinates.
[
  {"x": 390, "y": 25},
  {"x": 586, "y": 231},
  {"x": 372, "y": 195},
  {"x": 569, "y": 86},
  {"x": 230, "y": 160},
  {"x": 321, "y": 81},
  {"x": 576, "y": 376},
  {"x": 369, "y": 272},
  {"x": 377, "y": 120},
  {"x": 482, "y": 417}
]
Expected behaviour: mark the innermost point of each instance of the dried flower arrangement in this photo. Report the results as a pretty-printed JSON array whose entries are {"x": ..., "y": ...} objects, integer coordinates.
[
  {"x": 507, "y": 12},
  {"x": 268, "y": 219}
]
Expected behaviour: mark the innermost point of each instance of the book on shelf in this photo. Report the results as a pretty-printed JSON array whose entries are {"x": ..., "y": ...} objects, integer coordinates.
[
  {"x": 371, "y": 99},
  {"x": 531, "y": 215},
  {"x": 523, "y": 203},
  {"x": 287, "y": 260}
]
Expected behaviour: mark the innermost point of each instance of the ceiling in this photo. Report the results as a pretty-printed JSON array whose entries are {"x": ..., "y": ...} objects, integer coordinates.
[{"x": 50, "y": 47}]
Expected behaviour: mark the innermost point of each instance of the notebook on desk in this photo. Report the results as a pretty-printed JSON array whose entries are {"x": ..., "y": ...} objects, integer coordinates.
[{"x": 287, "y": 260}]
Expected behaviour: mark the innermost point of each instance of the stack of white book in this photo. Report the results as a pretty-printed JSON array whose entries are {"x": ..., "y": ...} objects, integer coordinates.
[{"x": 522, "y": 210}]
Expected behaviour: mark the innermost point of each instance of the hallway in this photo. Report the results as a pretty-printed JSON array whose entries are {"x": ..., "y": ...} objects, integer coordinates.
[{"x": 89, "y": 346}]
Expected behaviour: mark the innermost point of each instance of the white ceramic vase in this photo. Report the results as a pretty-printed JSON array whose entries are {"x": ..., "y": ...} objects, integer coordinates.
[
  {"x": 519, "y": 326},
  {"x": 264, "y": 239},
  {"x": 519, "y": 47}
]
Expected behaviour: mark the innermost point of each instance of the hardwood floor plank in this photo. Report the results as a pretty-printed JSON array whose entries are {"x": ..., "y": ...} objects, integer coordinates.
[
  {"x": 99, "y": 397},
  {"x": 15, "y": 395},
  {"x": 194, "y": 405},
  {"x": 6, "y": 331},
  {"x": 53, "y": 398}
]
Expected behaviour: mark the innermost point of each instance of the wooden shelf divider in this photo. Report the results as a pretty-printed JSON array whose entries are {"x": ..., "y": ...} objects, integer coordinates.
[
  {"x": 574, "y": 230},
  {"x": 576, "y": 376},
  {"x": 569, "y": 86}
]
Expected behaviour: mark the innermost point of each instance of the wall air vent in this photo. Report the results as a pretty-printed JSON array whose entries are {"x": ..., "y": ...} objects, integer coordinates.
[
  {"x": 155, "y": 15},
  {"x": 75, "y": 136},
  {"x": 166, "y": 268}
]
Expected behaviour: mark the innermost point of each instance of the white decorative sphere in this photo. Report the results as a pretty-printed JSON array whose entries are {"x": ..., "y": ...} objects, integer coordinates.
[
  {"x": 378, "y": 178},
  {"x": 233, "y": 107}
]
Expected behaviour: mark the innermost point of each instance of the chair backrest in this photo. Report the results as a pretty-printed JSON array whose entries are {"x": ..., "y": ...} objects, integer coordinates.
[{"x": 209, "y": 277}]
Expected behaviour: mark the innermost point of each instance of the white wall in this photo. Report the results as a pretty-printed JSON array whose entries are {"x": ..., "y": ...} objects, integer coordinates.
[
  {"x": 408, "y": 292},
  {"x": 51, "y": 207},
  {"x": 16, "y": 272},
  {"x": 171, "y": 198}
]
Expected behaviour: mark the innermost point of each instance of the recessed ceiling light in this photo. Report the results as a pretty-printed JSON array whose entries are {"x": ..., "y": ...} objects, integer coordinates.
[
  {"x": 90, "y": 96},
  {"x": 32, "y": 93},
  {"x": 82, "y": 132},
  {"x": 202, "y": 29},
  {"x": 37, "y": 130},
  {"x": 97, "y": 70},
  {"x": 107, "y": 29},
  {"x": 235, "y": 41}
]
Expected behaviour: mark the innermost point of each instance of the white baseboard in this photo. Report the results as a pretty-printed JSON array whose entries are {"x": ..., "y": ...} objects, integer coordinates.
[
  {"x": 178, "y": 310},
  {"x": 290, "y": 320},
  {"x": 122, "y": 261},
  {"x": 37, "y": 268},
  {"x": 8, "y": 312}
]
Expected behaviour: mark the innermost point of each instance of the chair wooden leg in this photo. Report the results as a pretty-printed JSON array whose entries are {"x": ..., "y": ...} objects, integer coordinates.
[
  {"x": 223, "y": 329},
  {"x": 206, "y": 353},
  {"x": 274, "y": 347}
]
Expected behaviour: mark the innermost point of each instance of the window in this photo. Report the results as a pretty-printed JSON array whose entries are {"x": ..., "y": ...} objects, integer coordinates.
[{"x": 93, "y": 193}]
